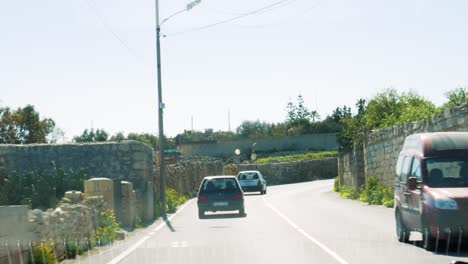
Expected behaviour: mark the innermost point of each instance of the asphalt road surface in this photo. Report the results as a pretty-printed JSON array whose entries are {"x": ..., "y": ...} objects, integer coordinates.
[{"x": 296, "y": 223}]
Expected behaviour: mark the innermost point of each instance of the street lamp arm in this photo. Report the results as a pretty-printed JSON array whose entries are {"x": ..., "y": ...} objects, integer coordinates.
[
  {"x": 187, "y": 8},
  {"x": 169, "y": 17}
]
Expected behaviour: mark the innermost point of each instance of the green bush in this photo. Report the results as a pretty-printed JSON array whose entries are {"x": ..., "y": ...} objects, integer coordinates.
[
  {"x": 348, "y": 193},
  {"x": 336, "y": 184},
  {"x": 43, "y": 253},
  {"x": 174, "y": 199},
  {"x": 373, "y": 192},
  {"x": 107, "y": 227},
  {"x": 73, "y": 248}
]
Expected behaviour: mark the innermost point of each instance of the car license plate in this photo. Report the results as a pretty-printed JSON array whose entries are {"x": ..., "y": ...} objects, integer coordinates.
[{"x": 220, "y": 204}]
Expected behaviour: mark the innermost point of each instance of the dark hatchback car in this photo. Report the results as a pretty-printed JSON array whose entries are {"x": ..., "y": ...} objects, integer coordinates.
[
  {"x": 431, "y": 188},
  {"x": 220, "y": 193}
]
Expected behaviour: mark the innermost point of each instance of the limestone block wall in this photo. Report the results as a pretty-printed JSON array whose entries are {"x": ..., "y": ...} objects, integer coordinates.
[
  {"x": 290, "y": 172},
  {"x": 186, "y": 174},
  {"x": 130, "y": 161},
  {"x": 381, "y": 147}
]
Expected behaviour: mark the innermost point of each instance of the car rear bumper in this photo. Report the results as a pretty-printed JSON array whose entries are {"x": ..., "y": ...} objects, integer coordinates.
[
  {"x": 209, "y": 206},
  {"x": 256, "y": 188}
]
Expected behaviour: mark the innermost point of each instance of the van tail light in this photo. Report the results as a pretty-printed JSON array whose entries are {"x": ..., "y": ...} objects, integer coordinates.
[
  {"x": 202, "y": 198},
  {"x": 237, "y": 196}
]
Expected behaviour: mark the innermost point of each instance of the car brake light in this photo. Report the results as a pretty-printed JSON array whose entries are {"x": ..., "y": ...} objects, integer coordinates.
[
  {"x": 237, "y": 196},
  {"x": 202, "y": 198}
]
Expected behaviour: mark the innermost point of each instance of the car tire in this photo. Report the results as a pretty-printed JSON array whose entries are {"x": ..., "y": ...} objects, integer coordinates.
[
  {"x": 201, "y": 214},
  {"x": 265, "y": 191},
  {"x": 403, "y": 233},
  {"x": 242, "y": 211}
]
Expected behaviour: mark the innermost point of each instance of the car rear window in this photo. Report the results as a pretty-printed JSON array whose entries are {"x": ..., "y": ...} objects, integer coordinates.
[
  {"x": 220, "y": 184},
  {"x": 248, "y": 176}
]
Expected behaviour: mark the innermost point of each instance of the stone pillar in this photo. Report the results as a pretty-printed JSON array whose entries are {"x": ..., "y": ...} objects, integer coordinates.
[
  {"x": 128, "y": 204},
  {"x": 100, "y": 187},
  {"x": 117, "y": 199},
  {"x": 148, "y": 202}
]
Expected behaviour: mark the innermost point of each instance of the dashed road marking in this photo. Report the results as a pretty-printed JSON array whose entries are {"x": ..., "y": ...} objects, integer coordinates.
[
  {"x": 142, "y": 240},
  {"x": 304, "y": 233}
]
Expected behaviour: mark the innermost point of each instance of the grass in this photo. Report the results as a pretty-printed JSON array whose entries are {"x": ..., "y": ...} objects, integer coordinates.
[{"x": 298, "y": 157}]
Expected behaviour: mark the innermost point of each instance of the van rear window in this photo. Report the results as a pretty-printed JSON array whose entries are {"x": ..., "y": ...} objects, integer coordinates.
[{"x": 446, "y": 142}]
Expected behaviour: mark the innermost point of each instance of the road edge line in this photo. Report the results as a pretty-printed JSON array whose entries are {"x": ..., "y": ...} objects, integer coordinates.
[
  {"x": 127, "y": 252},
  {"x": 304, "y": 233}
]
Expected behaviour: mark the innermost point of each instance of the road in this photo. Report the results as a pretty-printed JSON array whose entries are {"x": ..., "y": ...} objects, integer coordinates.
[{"x": 296, "y": 223}]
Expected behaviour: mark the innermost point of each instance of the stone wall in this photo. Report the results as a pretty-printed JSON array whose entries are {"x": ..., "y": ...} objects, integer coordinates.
[
  {"x": 185, "y": 175},
  {"x": 290, "y": 172},
  {"x": 127, "y": 160},
  {"x": 351, "y": 168},
  {"x": 381, "y": 147},
  {"x": 225, "y": 149}
]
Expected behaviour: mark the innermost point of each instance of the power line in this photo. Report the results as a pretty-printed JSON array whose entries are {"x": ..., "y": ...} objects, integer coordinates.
[
  {"x": 257, "y": 11},
  {"x": 92, "y": 6}
]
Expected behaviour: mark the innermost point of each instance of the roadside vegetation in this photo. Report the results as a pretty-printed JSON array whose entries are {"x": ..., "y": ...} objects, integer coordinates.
[
  {"x": 173, "y": 200},
  {"x": 298, "y": 157},
  {"x": 372, "y": 192}
]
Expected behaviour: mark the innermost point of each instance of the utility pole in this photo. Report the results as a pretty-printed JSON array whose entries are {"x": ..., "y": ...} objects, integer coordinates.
[
  {"x": 229, "y": 120},
  {"x": 162, "y": 164}
]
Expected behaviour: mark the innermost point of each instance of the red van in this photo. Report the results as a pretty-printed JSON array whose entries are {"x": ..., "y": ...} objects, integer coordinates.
[{"x": 431, "y": 188}]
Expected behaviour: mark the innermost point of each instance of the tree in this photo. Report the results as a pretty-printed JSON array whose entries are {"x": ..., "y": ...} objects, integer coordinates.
[
  {"x": 24, "y": 126},
  {"x": 389, "y": 108},
  {"x": 302, "y": 112},
  {"x": 91, "y": 136},
  {"x": 147, "y": 139},
  {"x": 291, "y": 111},
  {"x": 456, "y": 97},
  {"x": 254, "y": 129}
]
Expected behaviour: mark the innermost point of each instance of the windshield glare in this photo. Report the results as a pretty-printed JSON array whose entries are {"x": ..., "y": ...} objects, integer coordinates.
[{"x": 447, "y": 172}]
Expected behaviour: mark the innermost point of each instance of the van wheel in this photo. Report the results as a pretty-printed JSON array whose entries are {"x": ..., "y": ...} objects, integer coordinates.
[{"x": 403, "y": 234}]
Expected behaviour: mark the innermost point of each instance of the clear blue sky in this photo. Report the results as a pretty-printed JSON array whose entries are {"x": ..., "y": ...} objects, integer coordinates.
[{"x": 92, "y": 62}]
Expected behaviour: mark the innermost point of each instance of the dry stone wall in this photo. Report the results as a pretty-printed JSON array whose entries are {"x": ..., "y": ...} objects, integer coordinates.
[
  {"x": 381, "y": 147},
  {"x": 130, "y": 161},
  {"x": 184, "y": 175},
  {"x": 290, "y": 172}
]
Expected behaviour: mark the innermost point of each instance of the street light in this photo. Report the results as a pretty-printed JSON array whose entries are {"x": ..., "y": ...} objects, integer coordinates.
[{"x": 162, "y": 164}]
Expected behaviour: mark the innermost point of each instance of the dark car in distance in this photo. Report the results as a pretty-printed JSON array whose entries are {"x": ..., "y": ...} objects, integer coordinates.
[
  {"x": 431, "y": 188},
  {"x": 220, "y": 193}
]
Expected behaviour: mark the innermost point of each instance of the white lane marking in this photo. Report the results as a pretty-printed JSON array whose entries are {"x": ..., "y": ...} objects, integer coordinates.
[
  {"x": 304, "y": 233},
  {"x": 142, "y": 240},
  {"x": 175, "y": 244}
]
